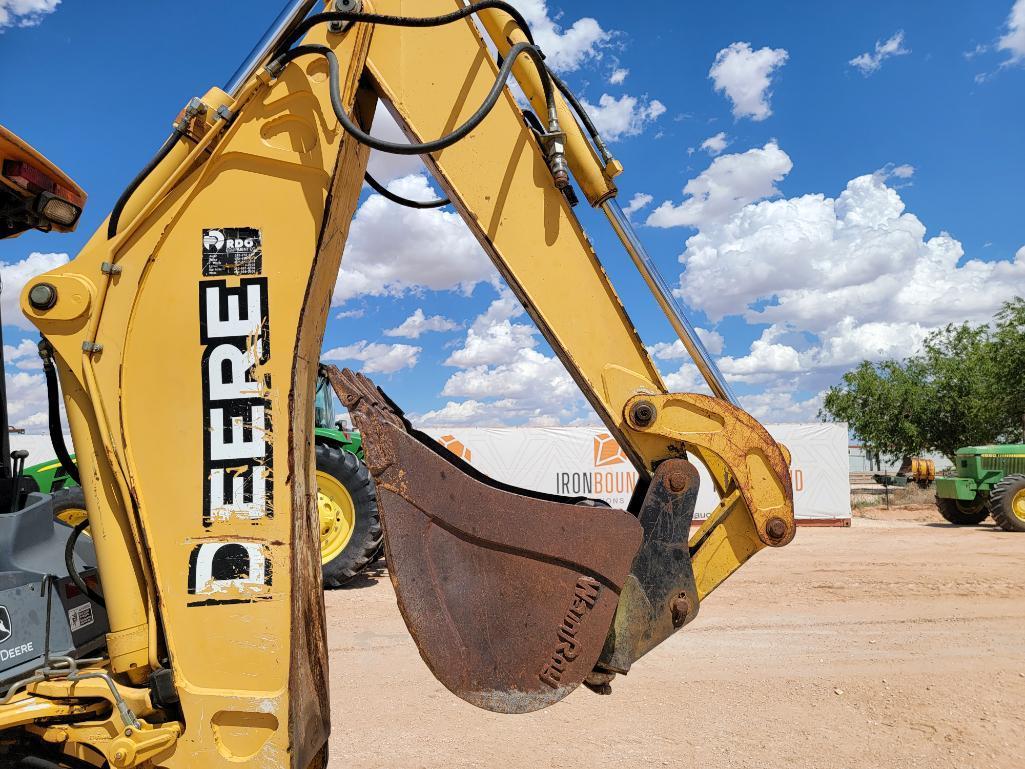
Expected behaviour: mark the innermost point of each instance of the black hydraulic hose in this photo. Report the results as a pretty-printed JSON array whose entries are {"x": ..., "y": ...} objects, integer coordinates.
[
  {"x": 165, "y": 149},
  {"x": 69, "y": 562},
  {"x": 368, "y": 18},
  {"x": 438, "y": 144},
  {"x": 578, "y": 108},
  {"x": 380, "y": 189},
  {"x": 54, "y": 414},
  {"x": 403, "y": 21}
]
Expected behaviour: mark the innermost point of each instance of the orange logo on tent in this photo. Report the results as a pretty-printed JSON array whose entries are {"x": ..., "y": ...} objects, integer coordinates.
[
  {"x": 456, "y": 447},
  {"x": 607, "y": 451}
]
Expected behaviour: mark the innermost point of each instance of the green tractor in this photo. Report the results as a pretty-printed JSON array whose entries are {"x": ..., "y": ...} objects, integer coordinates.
[
  {"x": 990, "y": 481},
  {"x": 350, "y": 528}
]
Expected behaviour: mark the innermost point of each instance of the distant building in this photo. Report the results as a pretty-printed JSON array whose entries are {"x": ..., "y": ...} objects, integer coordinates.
[{"x": 862, "y": 462}]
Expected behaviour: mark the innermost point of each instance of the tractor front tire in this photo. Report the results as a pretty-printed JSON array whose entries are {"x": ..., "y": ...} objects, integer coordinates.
[
  {"x": 69, "y": 505},
  {"x": 1007, "y": 503},
  {"x": 350, "y": 527},
  {"x": 963, "y": 513}
]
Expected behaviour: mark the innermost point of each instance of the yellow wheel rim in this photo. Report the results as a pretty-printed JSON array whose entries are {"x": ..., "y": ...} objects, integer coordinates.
[
  {"x": 337, "y": 516},
  {"x": 72, "y": 516},
  {"x": 1018, "y": 505}
]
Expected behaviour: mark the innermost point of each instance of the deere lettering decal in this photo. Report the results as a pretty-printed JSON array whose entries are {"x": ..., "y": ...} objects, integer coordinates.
[{"x": 238, "y": 487}]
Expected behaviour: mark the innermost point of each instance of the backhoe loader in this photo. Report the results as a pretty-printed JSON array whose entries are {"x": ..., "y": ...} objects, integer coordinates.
[{"x": 196, "y": 313}]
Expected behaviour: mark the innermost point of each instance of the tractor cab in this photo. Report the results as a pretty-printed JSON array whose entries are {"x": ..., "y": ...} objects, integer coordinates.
[{"x": 324, "y": 404}]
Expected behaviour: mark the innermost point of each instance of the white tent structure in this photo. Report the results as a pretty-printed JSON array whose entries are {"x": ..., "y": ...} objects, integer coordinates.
[{"x": 586, "y": 461}]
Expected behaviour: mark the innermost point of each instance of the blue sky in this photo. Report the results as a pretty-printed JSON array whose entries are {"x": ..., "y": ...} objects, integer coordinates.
[{"x": 853, "y": 176}]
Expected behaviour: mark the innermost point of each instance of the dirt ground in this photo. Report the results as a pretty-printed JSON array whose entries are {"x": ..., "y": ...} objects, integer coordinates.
[{"x": 898, "y": 642}]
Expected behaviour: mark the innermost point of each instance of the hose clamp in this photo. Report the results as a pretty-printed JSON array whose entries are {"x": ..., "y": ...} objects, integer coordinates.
[{"x": 351, "y": 6}]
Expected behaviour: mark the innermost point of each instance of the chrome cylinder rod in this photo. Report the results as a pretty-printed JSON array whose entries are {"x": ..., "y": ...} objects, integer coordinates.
[
  {"x": 664, "y": 296},
  {"x": 293, "y": 13}
]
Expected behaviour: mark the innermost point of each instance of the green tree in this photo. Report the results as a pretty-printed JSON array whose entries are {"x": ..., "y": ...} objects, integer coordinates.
[
  {"x": 963, "y": 389},
  {"x": 883, "y": 404},
  {"x": 1009, "y": 367},
  {"x": 959, "y": 374}
]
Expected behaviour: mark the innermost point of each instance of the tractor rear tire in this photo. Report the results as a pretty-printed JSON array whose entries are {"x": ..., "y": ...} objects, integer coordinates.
[
  {"x": 1007, "y": 503},
  {"x": 963, "y": 513},
  {"x": 69, "y": 505},
  {"x": 350, "y": 527}
]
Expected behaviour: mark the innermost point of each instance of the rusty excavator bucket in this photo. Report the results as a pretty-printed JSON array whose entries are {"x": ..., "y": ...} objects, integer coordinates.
[{"x": 514, "y": 598}]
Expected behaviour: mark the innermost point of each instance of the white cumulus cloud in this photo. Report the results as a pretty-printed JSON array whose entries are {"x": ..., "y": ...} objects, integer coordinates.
[
  {"x": 745, "y": 76},
  {"x": 837, "y": 280},
  {"x": 25, "y": 13},
  {"x": 393, "y": 250},
  {"x": 14, "y": 276},
  {"x": 729, "y": 184},
  {"x": 457, "y": 414},
  {"x": 384, "y": 166},
  {"x": 712, "y": 340},
  {"x": 904, "y": 171},
  {"x": 618, "y": 76},
  {"x": 869, "y": 62},
  {"x": 23, "y": 356},
  {"x": 638, "y": 202},
  {"x": 817, "y": 260},
  {"x": 565, "y": 48},
  {"x": 493, "y": 338},
  {"x": 26, "y": 401},
  {"x": 503, "y": 377},
  {"x": 778, "y": 404},
  {"x": 714, "y": 145},
  {"x": 377, "y": 358},
  {"x": 1013, "y": 41},
  {"x": 626, "y": 116},
  {"x": 419, "y": 324}
]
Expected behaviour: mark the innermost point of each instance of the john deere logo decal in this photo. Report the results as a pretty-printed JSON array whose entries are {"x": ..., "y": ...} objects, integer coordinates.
[{"x": 5, "y": 624}]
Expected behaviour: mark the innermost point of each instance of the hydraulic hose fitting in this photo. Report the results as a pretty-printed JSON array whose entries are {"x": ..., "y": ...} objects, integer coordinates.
[
  {"x": 45, "y": 351},
  {"x": 560, "y": 170},
  {"x": 186, "y": 121},
  {"x": 555, "y": 149}
]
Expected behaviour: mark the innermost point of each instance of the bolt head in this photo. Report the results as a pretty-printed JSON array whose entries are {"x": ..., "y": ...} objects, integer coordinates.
[
  {"x": 643, "y": 413},
  {"x": 776, "y": 528},
  {"x": 677, "y": 482},
  {"x": 680, "y": 608},
  {"x": 42, "y": 296}
]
